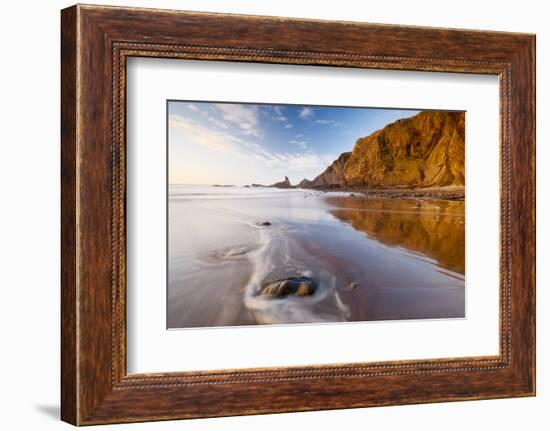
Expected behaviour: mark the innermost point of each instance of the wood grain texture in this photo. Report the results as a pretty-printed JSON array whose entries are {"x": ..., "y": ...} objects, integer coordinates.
[
  {"x": 96, "y": 41},
  {"x": 68, "y": 218}
]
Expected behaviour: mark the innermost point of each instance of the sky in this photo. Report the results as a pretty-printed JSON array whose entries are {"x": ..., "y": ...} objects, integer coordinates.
[{"x": 240, "y": 144}]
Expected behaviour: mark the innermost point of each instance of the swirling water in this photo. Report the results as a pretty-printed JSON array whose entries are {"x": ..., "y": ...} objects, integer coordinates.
[{"x": 373, "y": 259}]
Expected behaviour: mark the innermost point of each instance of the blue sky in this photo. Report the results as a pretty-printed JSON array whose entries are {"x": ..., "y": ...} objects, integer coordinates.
[{"x": 233, "y": 143}]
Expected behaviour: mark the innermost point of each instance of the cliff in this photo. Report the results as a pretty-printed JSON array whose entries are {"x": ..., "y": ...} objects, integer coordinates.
[
  {"x": 333, "y": 176},
  {"x": 426, "y": 150}
]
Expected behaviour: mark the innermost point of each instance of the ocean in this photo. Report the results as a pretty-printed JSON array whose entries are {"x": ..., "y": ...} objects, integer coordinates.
[{"x": 370, "y": 258}]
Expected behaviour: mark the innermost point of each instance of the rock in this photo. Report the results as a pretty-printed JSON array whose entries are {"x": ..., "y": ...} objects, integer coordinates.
[
  {"x": 333, "y": 176},
  {"x": 352, "y": 285},
  {"x": 266, "y": 223},
  {"x": 426, "y": 150},
  {"x": 282, "y": 287},
  {"x": 305, "y": 288},
  {"x": 283, "y": 184},
  {"x": 305, "y": 184}
]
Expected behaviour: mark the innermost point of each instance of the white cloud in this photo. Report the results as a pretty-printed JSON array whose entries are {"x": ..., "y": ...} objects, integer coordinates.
[
  {"x": 324, "y": 121},
  {"x": 218, "y": 123},
  {"x": 201, "y": 135},
  {"x": 288, "y": 126},
  {"x": 252, "y": 132},
  {"x": 333, "y": 123},
  {"x": 298, "y": 161},
  {"x": 301, "y": 144},
  {"x": 241, "y": 119},
  {"x": 306, "y": 113},
  {"x": 192, "y": 107},
  {"x": 231, "y": 138},
  {"x": 243, "y": 116},
  {"x": 278, "y": 116}
]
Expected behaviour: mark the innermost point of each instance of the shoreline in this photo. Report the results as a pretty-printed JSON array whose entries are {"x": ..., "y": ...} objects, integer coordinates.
[
  {"x": 444, "y": 193},
  {"x": 295, "y": 259},
  {"x": 448, "y": 193}
]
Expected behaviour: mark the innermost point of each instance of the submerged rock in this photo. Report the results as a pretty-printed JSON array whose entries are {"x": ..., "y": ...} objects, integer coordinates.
[{"x": 281, "y": 287}]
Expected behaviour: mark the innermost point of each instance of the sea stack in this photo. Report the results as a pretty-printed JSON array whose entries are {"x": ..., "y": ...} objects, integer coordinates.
[{"x": 283, "y": 184}]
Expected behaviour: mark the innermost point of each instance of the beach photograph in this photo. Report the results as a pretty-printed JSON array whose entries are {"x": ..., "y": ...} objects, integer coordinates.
[{"x": 283, "y": 214}]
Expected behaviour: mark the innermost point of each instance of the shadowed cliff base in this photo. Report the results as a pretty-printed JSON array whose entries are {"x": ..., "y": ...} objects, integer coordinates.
[{"x": 452, "y": 193}]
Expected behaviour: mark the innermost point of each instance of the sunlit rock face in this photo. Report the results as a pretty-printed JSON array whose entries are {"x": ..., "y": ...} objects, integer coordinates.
[
  {"x": 426, "y": 150},
  {"x": 333, "y": 176}
]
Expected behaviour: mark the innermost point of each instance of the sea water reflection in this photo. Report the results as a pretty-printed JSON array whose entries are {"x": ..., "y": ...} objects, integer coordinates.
[{"x": 374, "y": 259}]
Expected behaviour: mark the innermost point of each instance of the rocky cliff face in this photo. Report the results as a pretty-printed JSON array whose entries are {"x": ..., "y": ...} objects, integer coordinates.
[
  {"x": 426, "y": 150},
  {"x": 305, "y": 184},
  {"x": 334, "y": 175}
]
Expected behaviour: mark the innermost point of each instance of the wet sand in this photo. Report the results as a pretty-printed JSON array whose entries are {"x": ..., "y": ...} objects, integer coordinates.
[{"x": 373, "y": 258}]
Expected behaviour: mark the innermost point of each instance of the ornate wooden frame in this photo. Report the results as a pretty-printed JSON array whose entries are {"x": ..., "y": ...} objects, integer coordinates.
[{"x": 95, "y": 42}]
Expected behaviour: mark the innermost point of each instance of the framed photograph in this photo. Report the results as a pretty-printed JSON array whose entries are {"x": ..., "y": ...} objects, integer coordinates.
[{"x": 263, "y": 214}]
